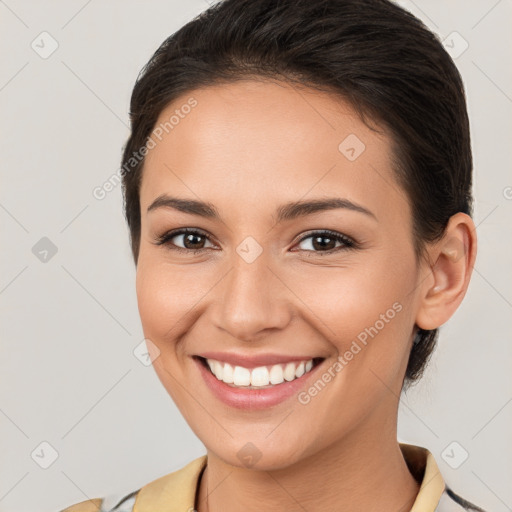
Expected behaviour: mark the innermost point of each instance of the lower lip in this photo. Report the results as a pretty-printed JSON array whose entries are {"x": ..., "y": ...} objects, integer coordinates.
[{"x": 253, "y": 399}]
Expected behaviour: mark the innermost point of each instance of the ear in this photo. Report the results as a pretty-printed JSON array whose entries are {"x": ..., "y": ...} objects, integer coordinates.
[{"x": 451, "y": 262}]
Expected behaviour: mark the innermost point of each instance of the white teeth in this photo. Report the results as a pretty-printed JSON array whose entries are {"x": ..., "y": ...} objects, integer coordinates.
[
  {"x": 289, "y": 371},
  {"x": 218, "y": 369},
  {"x": 259, "y": 376},
  {"x": 276, "y": 374},
  {"x": 262, "y": 376},
  {"x": 227, "y": 377},
  {"x": 241, "y": 376}
]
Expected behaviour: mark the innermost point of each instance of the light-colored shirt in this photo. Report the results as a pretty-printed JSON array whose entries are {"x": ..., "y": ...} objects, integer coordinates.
[{"x": 176, "y": 492}]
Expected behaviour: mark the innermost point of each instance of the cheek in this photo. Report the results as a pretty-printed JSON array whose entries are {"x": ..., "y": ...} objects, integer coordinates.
[
  {"x": 164, "y": 296},
  {"x": 363, "y": 310},
  {"x": 165, "y": 299},
  {"x": 171, "y": 299}
]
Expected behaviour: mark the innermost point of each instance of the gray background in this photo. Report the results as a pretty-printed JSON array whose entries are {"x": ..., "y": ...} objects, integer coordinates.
[{"x": 70, "y": 324}]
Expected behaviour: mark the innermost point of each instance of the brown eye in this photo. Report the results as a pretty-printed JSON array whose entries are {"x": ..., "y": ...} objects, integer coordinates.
[
  {"x": 325, "y": 242},
  {"x": 192, "y": 241},
  {"x": 187, "y": 240}
]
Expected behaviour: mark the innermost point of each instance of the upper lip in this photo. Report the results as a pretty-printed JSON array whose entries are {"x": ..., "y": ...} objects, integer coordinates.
[{"x": 253, "y": 361}]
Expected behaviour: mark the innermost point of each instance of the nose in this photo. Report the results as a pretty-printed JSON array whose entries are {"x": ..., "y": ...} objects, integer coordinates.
[{"x": 253, "y": 300}]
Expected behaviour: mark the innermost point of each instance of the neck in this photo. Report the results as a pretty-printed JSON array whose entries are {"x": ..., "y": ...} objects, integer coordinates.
[{"x": 369, "y": 474}]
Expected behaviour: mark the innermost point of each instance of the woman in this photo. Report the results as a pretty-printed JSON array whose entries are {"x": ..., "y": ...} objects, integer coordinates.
[{"x": 298, "y": 191}]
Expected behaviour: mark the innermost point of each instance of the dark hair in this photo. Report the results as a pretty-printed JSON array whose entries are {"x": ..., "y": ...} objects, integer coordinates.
[{"x": 380, "y": 58}]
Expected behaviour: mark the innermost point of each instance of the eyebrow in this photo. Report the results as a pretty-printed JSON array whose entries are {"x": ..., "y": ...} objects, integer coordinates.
[{"x": 286, "y": 211}]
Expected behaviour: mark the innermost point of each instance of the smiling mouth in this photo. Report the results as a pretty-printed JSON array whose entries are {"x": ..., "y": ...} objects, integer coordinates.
[{"x": 261, "y": 377}]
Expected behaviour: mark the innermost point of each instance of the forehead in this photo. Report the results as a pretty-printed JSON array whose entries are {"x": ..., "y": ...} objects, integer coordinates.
[{"x": 260, "y": 139}]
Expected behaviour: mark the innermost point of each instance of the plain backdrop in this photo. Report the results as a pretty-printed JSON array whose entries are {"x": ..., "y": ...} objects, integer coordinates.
[{"x": 74, "y": 397}]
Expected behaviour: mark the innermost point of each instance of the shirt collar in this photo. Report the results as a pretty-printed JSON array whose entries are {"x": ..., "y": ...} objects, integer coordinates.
[
  {"x": 176, "y": 492},
  {"x": 424, "y": 468}
]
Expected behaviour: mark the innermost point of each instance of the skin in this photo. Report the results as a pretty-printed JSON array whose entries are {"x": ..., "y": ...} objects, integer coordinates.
[{"x": 247, "y": 148}]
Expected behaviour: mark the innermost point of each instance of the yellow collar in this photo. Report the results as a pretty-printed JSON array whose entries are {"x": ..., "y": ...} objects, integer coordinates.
[
  {"x": 176, "y": 492},
  {"x": 423, "y": 466}
]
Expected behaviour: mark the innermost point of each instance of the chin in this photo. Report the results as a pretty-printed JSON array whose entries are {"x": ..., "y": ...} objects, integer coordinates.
[{"x": 258, "y": 454}]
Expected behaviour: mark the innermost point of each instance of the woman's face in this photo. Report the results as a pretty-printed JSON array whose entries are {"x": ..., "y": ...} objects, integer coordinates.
[{"x": 262, "y": 284}]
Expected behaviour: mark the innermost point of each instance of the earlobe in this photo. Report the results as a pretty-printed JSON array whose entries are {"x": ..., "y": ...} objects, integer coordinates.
[{"x": 453, "y": 256}]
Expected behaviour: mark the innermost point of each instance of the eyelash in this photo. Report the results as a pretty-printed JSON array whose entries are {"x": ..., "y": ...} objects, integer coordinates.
[{"x": 349, "y": 244}]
